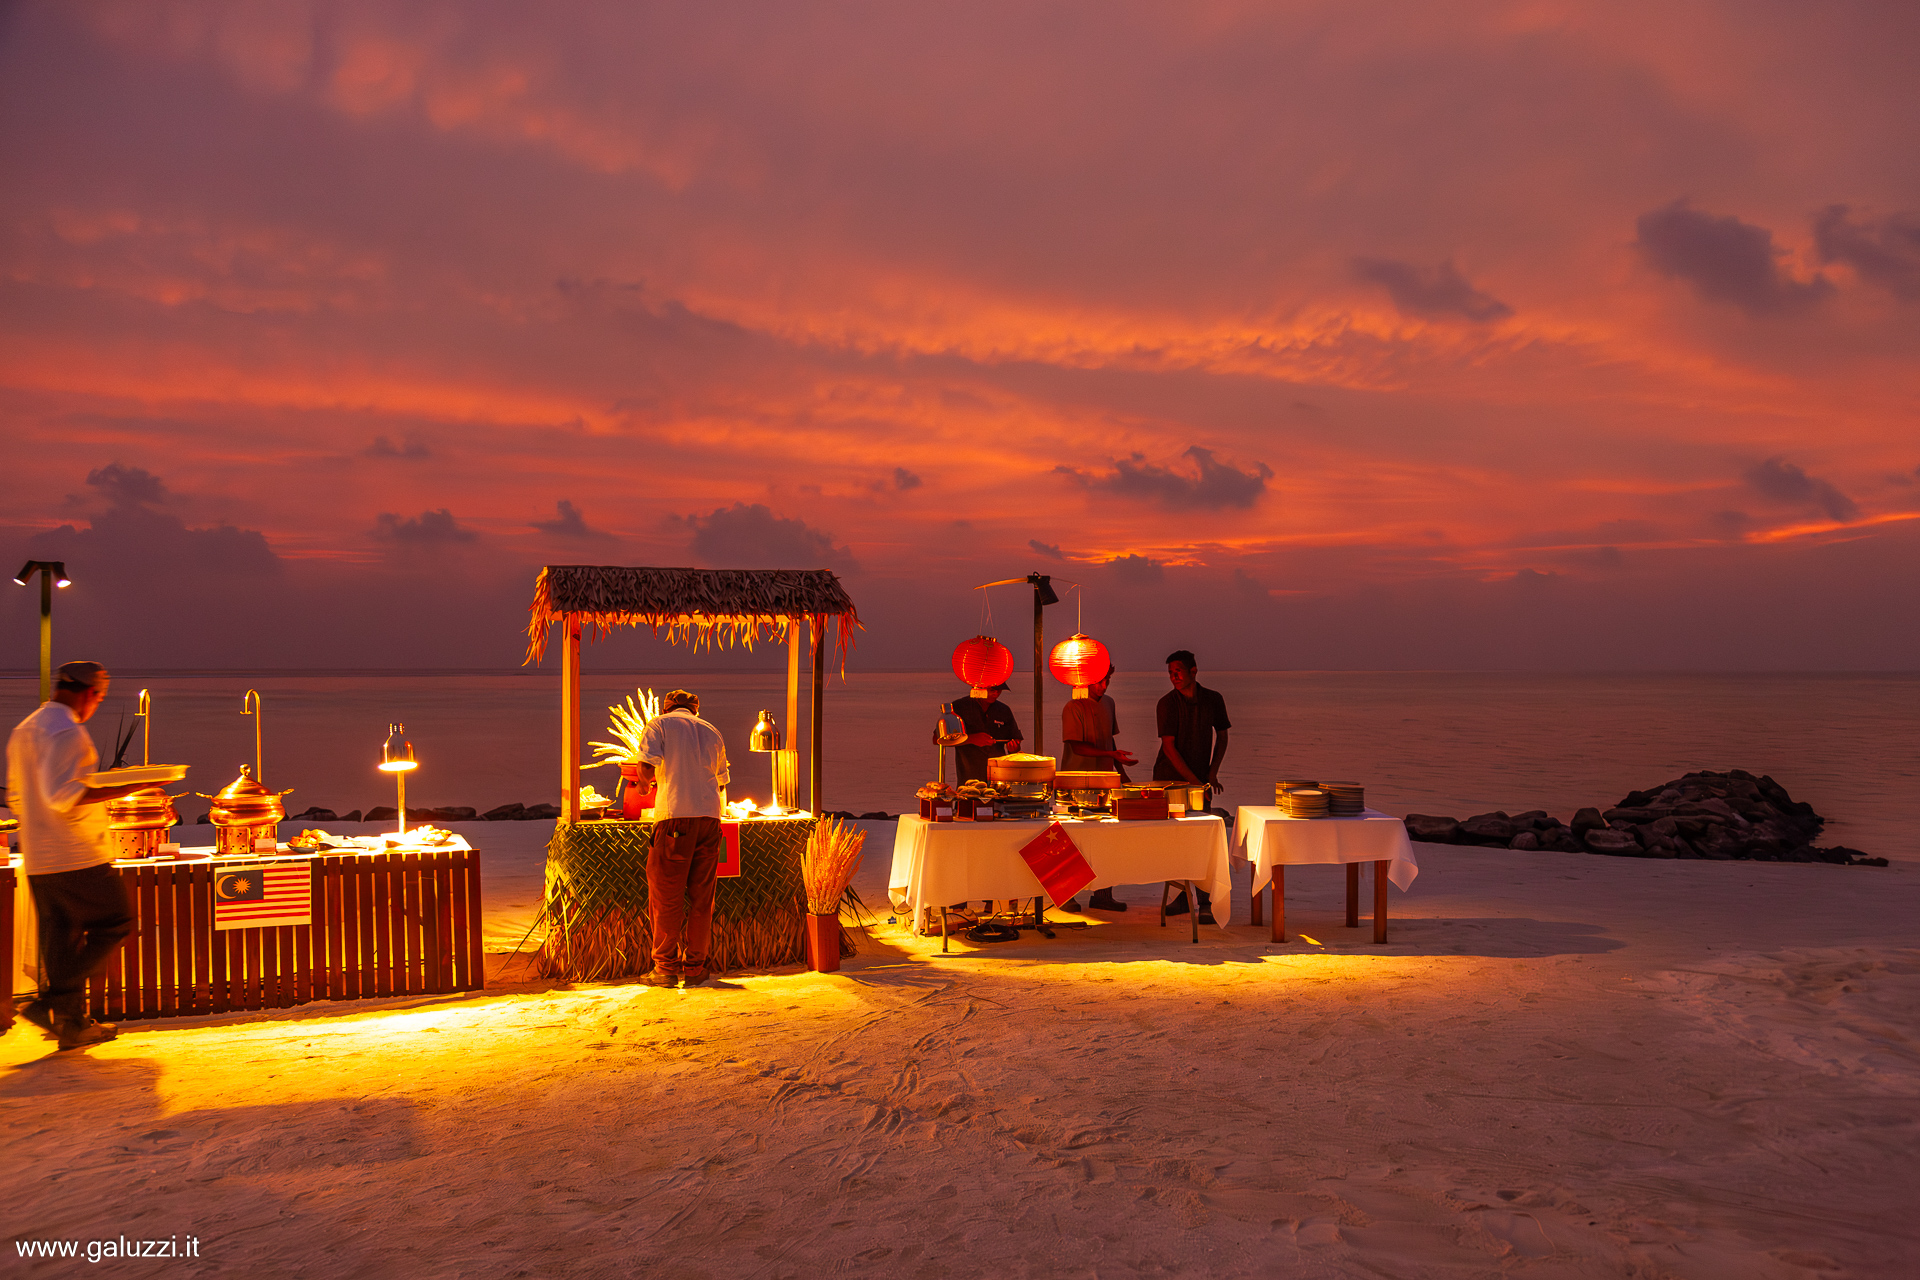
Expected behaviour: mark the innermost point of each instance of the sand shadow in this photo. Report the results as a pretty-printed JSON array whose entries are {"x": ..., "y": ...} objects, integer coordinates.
[{"x": 1135, "y": 941}]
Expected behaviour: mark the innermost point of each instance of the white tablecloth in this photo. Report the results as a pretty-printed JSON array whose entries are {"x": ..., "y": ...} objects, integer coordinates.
[
  {"x": 944, "y": 862},
  {"x": 1268, "y": 837}
]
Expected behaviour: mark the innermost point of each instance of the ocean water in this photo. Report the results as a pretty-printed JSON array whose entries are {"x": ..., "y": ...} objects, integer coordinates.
[{"x": 1425, "y": 742}]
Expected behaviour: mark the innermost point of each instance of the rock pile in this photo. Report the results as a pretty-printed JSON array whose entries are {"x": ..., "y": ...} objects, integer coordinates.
[{"x": 1720, "y": 816}]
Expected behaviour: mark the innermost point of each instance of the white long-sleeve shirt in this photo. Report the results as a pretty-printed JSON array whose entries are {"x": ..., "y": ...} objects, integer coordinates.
[
  {"x": 689, "y": 762},
  {"x": 47, "y": 755}
]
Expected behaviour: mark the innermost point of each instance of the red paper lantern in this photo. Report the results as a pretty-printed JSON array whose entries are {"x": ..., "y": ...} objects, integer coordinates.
[
  {"x": 982, "y": 662},
  {"x": 1080, "y": 661}
]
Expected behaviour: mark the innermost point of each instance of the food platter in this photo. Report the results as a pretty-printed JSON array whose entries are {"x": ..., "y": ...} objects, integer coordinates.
[{"x": 141, "y": 775}]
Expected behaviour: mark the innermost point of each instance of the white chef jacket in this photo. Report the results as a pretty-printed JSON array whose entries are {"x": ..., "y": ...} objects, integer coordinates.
[
  {"x": 47, "y": 755},
  {"x": 690, "y": 762}
]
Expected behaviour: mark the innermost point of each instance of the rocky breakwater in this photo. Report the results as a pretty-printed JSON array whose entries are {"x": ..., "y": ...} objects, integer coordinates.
[{"x": 1719, "y": 816}]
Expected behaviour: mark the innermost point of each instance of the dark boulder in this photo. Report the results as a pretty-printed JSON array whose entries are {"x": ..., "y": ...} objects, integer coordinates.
[
  {"x": 1525, "y": 840},
  {"x": 1433, "y": 829},
  {"x": 351, "y": 815},
  {"x": 1488, "y": 828},
  {"x": 1588, "y": 819},
  {"x": 538, "y": 811},
  {"x": 315, "y": 814},
  {"x": 383, "y": 813},
  {"x": 1616, "y": 843},
  {"x": 878, "y": 815},
  {"x": 504, "y": 813}
]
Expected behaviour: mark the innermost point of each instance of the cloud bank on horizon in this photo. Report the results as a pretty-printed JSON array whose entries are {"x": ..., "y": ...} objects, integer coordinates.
[{"x": 1319, "y": 334}]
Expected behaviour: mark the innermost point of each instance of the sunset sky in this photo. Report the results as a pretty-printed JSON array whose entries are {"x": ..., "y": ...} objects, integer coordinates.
[{"x": 1429, "y": 335}]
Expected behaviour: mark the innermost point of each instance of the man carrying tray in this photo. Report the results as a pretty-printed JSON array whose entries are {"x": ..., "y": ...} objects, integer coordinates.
[{"x": 84, "y": 908}]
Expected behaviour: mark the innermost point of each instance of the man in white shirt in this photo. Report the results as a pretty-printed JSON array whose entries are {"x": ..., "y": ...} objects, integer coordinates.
[
  {"x": 686, "y": 758},
  {"x": 84, "y": 908}
]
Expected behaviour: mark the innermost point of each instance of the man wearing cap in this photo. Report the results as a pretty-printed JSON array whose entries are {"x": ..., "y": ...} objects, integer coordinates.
[
  {"x": 685, "y": 757},
  {"x": 991, "y": 732},
  {"x": 84, "y": 908}
]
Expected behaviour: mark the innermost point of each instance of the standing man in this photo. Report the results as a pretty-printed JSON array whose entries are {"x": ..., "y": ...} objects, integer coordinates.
[
  {"x": 685, "y": 757},
  {"x": 1193, "y": 728},
  {"x": 84, "y": 908},
  {"x": 1087, "y": 729},
  {"x": 991, "y": 732}
]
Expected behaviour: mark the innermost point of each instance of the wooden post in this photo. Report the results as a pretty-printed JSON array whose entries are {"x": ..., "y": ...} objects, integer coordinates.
[
  {"x": 1353, "y": 895},
  {"x": 1379, "y": 902},
  {"x": 792, "y": 747},
  {"x": 819, "y": 628},
  {"x": 570, "y": 721},
  {"x": 1279, "y": 902}
]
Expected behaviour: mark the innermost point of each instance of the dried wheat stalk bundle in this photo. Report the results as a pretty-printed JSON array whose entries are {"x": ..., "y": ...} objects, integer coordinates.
[
  {"x": 626, "y": 723},
  {"x": 827, "y": 867}
]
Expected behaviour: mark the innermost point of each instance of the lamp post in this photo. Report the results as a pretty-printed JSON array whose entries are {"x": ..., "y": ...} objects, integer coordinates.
[
  {"x": 396, "y": 758},
  {"x": 53, "y": 573},
  {"x": 1043, "y": 595}
]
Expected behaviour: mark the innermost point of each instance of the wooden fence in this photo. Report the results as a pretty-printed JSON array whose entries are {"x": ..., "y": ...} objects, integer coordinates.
[{"x": 384, "y": 924}]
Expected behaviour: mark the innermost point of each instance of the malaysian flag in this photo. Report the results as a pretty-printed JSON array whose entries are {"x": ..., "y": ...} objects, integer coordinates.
[{"x": 273, "y": 893}]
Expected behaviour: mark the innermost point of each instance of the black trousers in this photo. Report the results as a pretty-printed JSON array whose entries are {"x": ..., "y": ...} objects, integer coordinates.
[{"x": 84, "y": 916}]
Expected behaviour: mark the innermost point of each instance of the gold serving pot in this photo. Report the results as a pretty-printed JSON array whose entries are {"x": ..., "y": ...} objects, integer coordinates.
[
  {"x": 245, "y": 803},
  {"x": 149, "y": 810}
]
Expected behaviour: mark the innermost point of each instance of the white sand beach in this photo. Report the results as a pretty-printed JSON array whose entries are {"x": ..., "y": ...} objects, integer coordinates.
[{"x": 1560, "y": 1065}]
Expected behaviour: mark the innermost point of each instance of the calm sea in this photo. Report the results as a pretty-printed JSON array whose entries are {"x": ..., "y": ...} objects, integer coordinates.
[{"x": 1452, "y": 743}]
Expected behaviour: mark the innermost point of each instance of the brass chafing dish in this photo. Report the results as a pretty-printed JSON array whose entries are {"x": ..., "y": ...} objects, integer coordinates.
[
  {"x": 242, "y": 812},
  {"x": 140, "y": 822}
]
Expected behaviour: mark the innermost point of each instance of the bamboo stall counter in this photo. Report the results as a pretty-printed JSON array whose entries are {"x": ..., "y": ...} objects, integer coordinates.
[
  {"x": 596, "y": 909},
  {"x": 394, "y": 923}
]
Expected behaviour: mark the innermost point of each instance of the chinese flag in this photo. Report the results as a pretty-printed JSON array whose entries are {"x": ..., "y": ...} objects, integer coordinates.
[{"x": 1062, "y": 871}]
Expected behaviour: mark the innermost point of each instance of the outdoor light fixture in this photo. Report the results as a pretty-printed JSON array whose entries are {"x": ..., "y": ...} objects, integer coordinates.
[
  {"x": 53, "y": 573},
  {"x": 766, "y": 737},
  {"x": 396, "y": 758},
  {"x": 1043, "y": 595}
]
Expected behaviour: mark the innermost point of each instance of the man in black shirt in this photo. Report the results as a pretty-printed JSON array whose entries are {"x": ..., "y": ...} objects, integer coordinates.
[
  {"x": 1193, "y": 728},
  {"x": 991, "y": 732}
]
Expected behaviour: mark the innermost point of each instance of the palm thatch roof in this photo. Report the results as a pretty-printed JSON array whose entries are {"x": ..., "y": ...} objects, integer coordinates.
[{"x": 698, "y": 607}]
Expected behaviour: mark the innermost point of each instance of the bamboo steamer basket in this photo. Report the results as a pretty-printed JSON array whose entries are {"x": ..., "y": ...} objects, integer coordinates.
[{"x": 1021, "y": 768}]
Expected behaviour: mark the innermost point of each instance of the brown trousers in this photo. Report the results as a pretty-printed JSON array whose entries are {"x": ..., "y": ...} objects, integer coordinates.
[{"x": 682, "y": 869}]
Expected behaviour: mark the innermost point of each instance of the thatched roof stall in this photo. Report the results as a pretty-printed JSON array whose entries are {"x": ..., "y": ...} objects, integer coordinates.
[{"x": 702, "y": 608}]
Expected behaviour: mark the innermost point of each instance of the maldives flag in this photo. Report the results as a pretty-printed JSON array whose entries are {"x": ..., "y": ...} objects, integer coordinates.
[
  {"x": 265, "y": 894},
  {"x": 1056, "y": 860}
]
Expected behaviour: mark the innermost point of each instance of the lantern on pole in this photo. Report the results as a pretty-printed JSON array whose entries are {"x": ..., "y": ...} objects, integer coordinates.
[
  {"x": 982, "y": 662},
  {"x": 1080, "y": 661}
]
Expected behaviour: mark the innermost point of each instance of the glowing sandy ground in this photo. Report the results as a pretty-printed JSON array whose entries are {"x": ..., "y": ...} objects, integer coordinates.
[{"x": 1561, "y": 1066}]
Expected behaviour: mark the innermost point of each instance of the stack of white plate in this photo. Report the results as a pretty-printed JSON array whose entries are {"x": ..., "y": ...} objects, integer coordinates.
[
  {"x": 1304, "y": 803},
  {"x": 1281, "y": 788},
  {"x": 1345, "y": 799}
]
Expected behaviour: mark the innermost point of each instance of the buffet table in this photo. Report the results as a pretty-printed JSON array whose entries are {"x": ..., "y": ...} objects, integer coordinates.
[
  {"x": 1272, "y": 841},
  {"x": 936, "y": 863},
  {"x": 598, "y": 925},
  {"x": 393, "y": 923}
]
